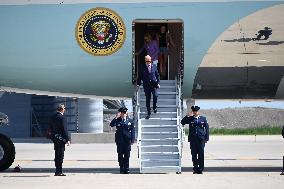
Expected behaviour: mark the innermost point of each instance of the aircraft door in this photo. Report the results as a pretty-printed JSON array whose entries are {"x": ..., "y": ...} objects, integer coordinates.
[
  {"x": 174, "y": 61},
  {"x": 175, "y": 54}
]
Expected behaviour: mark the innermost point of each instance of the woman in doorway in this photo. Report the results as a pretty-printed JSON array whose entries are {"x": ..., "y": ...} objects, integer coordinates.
[
  {"x": 165, "y": 41},
  {"x": 151, "y": 47}
]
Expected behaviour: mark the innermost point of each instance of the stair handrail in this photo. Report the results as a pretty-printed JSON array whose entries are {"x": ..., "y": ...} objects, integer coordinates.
[
  {"x": 179, "y": 113},
  {"x": 179, "y": 103},
  {"x": 137, "y": 120}
]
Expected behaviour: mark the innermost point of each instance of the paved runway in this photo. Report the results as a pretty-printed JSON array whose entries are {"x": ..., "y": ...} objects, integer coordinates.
[{"x": 231, "y": 161}]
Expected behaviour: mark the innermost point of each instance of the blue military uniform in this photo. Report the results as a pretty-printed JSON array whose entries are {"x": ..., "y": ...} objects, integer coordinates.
[
  {"x": 198, "y": 136},
  {"x": 124, "y": 137}
]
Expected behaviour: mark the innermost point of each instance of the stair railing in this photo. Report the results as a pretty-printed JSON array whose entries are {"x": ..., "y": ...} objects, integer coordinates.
[
  {"x": 179, "y": 126},
  {"x": 137, "y": 120},
  {"x": 179, "y": 102}
]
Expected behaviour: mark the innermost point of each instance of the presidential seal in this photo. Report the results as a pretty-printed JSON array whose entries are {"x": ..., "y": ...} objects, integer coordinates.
[{"x": 100, "y": 31}]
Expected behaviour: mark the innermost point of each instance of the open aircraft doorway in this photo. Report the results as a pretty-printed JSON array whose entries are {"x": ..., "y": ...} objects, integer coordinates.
[{"x": 171, "y": 60}]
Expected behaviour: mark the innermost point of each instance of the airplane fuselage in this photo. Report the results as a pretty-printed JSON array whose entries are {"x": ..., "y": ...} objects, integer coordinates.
[{"x": 39, "y": 50}]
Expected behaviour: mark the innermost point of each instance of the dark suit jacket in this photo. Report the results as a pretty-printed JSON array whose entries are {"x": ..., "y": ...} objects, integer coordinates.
[
  {"x": 125, "y": 132},
  {"x": 147, "y": 77},
  {"x": 198, "y": 128},
  {"x": 58, "y": 126}
]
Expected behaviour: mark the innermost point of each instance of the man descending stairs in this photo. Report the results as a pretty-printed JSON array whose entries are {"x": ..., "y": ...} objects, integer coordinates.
[{"x": 159, "y": 138}]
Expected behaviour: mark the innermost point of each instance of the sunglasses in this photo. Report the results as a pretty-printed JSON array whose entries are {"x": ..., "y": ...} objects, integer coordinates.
[{"x": 147, "y": 61}]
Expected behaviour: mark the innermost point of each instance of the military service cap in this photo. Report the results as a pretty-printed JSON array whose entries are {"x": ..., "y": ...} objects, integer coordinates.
[
  {"x": 122, "y": 109},
  {"x": 195, "y": 108}
]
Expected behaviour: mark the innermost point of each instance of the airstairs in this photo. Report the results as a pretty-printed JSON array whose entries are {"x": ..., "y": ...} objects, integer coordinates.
[{"x": 160, "y": 138}]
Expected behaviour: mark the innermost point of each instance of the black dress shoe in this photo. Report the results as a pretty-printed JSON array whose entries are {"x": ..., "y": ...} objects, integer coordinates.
[
  {"x": 155, "y": 110},
  {"x": 126, "y": 171},
  {"x": 121, "y": 170},
  {"x": 59, "y": 174},
  {"x": 147, "y": 117}
]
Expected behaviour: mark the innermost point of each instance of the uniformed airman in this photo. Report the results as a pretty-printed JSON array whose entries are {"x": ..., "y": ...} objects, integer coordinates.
[
  {"x": 198, "y": 135},
  {"x": 124, "y": 138}
]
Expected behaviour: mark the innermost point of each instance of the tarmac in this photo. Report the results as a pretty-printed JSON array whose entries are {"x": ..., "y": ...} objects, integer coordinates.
[{"x": 230, "y": 162}]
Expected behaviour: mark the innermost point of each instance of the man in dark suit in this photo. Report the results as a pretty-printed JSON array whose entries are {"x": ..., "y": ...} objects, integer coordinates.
[
  {"x": 59, "y": 137},
  {"x": 198, "y": 135},
  {"x": 149, "y": 74},
  {"x": 124, "y": 138}
]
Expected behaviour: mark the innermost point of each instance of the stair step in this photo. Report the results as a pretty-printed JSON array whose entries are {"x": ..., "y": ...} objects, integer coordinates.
[
  {"x": 160, "y": 150},
  {"x": 159, "y": 115},
  {"x": 159, "y": 132},
  {"x": 159, "y": 136},
  {"x": 160, "y": 96},
  {"x": 160, "y": 93},
  {"x": 161, "y": 103},
  {"x": 160, "y": 100},
  {"x": 159, "y": 153},
  {"x": 160, "y": 118},
  {"x": 159, "y": 142},
  {"x": 146, "y": 155},
  {"x": 146, "y": 126},
  {"x": 159, "y": 128},
  {"x": 153, "y": 146},
  {"x": 162, "y": 86},
  {"x": 167, "y": 82},
  {"x": 160, "y": 160},
  {"x": 160, "y": 112},
  {"x": 160, "y": 163},
  {"x": 163, "y": 89},
  {"x": 162, "y": 139},
  {"x": 155, "y": 121},
  {"x": 160, "y": 169},
  {"x": 159, "y": 109},
  {"x": 165, "y": 106}
]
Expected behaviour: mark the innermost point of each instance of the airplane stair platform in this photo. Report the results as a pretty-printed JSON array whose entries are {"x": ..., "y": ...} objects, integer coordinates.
[{"x": 160, "y": 137}]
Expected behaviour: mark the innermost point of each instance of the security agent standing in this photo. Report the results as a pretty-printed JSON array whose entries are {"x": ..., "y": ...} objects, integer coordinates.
[
  {"x": 198, "y": 135},
  {"x": 149, "y": 74},
  {"x": 59, "y": 137},
  {"x": 124, "y": 138}
]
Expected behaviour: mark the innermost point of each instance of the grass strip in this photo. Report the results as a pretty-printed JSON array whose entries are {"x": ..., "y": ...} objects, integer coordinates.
[{"x": 263, "y": 130}]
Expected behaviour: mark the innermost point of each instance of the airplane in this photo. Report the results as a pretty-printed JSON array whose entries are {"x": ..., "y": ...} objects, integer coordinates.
[{"x": 225, "y": 49}]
